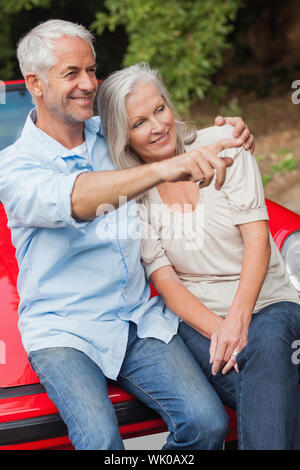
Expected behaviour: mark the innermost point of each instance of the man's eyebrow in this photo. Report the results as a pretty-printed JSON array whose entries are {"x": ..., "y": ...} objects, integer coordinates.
[{"x": 74, "y": 68}]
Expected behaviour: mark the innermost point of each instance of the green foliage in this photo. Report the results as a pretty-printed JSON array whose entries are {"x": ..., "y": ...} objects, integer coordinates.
[
  {"x": 231, "y": 109},
  {"x": 19, "y": 17},
  {"x": 266, "y": 178},
  {"x": 183, "y": 39},
  {"x": 285, "y": 161},
  {"x": 8, "y": 9}
]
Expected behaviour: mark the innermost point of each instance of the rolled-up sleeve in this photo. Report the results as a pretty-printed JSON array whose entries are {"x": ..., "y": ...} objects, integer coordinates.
[
  {"x": 243, "y": 185},
  {"x": 36, "y": 196},
  {"x": 153, "y": 254},
  {"x": 243, "y": 188}
]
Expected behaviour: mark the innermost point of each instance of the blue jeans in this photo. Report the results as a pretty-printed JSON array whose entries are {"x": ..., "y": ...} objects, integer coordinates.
[
  {"x": 166, "y": 377},
  {"x": 265, "y": 392}
]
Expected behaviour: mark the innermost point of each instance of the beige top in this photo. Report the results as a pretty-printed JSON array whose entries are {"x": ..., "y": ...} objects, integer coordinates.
[{"x": 205, "y": 246}]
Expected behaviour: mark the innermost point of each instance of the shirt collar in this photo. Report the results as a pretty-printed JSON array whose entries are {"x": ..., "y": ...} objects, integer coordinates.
[{"x": 51, "y": 148}]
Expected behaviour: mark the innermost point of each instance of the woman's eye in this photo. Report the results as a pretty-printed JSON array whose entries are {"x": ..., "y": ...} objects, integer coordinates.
[
  {"x": 161, "y": 108},
  {"x": 138, "y": 124}
]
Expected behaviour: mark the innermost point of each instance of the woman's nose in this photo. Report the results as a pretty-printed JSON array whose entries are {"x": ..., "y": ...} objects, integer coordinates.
[{"x": 157, "y": 126}]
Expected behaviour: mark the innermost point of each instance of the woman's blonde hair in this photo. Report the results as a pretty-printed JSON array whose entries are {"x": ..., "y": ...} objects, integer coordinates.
[{"x": 114, "y": 119}]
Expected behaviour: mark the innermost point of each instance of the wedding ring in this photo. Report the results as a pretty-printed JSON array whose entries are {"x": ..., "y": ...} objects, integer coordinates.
[{"x": 235, "y": 353}]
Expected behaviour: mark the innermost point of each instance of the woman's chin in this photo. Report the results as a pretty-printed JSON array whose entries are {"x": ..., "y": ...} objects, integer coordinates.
[{"x": 160, "y": 154}]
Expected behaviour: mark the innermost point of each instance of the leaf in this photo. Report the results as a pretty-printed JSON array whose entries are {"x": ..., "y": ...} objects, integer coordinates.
[
  {"x": 261, "y": 157},
  {"x": 283, "y": 151},
  {"x": 184, "y": 39},
  {"x": 266, "y": 178},
  {"x": 289, "y": 163}
]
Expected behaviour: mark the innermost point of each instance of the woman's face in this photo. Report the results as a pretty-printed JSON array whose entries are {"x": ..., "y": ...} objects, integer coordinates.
[{"x": 152, "y": 131}]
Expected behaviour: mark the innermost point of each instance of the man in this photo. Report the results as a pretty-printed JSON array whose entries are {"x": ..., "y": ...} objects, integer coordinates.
[{"x": 85, "y": 312}]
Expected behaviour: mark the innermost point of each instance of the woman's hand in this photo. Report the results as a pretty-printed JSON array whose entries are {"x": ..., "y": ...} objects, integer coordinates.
[
  {"x": 232, "y": 334},
  {"x": 230, "y": 337},
  {"x": 241, "y": 130}
]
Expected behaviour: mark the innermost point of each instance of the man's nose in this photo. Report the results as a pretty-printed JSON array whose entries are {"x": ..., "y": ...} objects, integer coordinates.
[{"x": 86, "y": 82}]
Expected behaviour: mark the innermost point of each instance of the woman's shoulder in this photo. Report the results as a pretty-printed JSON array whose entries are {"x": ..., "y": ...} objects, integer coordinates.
[
  {"x": 213, "y": 134},
  {"x": 210, "y": 135}
]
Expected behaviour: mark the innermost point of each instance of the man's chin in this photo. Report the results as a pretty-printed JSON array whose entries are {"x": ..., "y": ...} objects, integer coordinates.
[{"x": 81, "y": 116}]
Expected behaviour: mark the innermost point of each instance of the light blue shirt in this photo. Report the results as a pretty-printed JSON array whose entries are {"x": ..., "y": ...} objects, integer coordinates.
[{"x": 79, "y": 282}]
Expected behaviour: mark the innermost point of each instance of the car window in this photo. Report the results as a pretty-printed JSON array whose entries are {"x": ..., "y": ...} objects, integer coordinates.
[{"x": 13, "y": 115}]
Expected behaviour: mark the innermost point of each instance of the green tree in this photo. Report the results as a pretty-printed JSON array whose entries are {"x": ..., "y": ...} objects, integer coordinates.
[
  {"x": 9, "y": 8},
  {"x": 183, "y": 39},
  {"x": 19, "y": 16}
]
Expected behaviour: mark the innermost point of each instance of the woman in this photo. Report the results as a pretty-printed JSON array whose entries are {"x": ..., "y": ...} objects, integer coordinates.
[{"x": 209, "y": 254}]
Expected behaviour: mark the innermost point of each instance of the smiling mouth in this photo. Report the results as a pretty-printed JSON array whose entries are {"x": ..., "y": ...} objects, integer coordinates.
[
  {"x": 161, "y": 139},
  {"x": 81, "y": 99}
]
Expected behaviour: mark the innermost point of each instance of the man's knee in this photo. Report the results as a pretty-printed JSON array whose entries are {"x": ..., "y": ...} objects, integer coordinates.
[
  {"x": 97, "y": 436},
  {"x": 79, "y": 390},
  {"x": 205, "y": 429},
  {"x": 93, "y": 426}
]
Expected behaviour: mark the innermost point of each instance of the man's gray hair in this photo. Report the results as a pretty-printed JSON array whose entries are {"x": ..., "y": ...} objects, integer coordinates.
[
  {"x": 35, "y": 50},
  {"x": 114, "y": 119}
]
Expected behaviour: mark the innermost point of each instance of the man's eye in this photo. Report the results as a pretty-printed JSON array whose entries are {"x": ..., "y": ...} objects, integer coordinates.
[{"x": 71, "y": 74}]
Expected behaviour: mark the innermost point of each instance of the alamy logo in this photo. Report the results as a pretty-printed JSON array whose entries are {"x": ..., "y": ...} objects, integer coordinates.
[
  {"x": 125, "y": 223},
  {"x": 2, "y": 92},
  {"x": 296, "y": 354},
  {"x": 296, "y": 94},
  {"x": 2, "y": 352}
]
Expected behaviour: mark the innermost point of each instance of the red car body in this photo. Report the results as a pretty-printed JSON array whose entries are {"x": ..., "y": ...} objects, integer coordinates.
[{"x": 28, "y": 418}]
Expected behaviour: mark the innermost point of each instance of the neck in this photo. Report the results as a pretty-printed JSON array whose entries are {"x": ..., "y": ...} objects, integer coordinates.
[{"x": 69, "y": 135}]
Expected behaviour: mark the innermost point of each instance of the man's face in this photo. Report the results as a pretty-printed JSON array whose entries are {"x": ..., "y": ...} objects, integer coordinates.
[{"x": 72, "y": 85}]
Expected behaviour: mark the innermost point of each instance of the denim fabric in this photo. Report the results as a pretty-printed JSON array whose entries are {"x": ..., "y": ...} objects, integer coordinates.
[
  {"x": 164, "y": 376},
  {"x": 265, "y": 392}
]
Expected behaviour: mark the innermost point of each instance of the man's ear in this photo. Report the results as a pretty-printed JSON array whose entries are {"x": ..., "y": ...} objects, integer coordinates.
[{"x": 34, "y": 84}]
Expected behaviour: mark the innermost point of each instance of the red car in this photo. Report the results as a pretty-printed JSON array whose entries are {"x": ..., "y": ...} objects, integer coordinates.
[{"x": 28, "y": 419}]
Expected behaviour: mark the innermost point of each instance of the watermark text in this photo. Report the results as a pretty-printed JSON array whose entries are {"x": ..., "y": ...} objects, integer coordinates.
[
  {"x": 2, "y": 92},
  {"x": 140, "y": 222},
  {"x": 296, "y": 94},
  {"x": 2, "y": 352}
]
